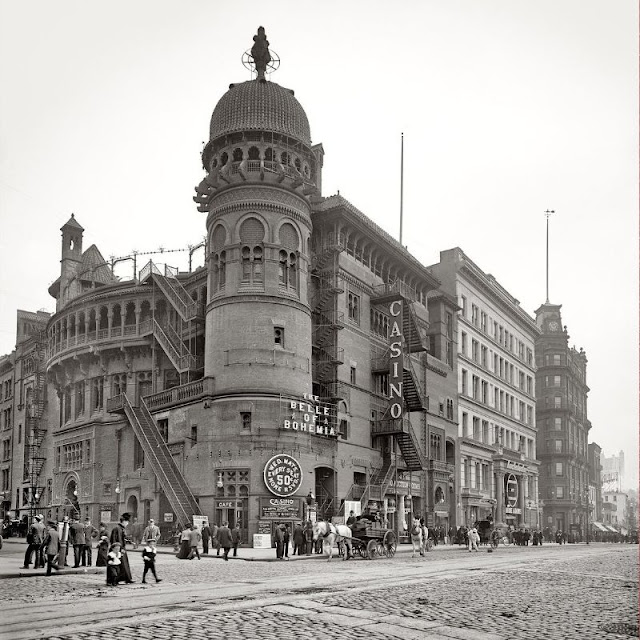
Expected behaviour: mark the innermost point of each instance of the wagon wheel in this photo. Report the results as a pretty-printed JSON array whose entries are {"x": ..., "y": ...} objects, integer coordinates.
[
  {"x": 380, "y": 549},
  {"x": 390, "y": 544},
  {"x": 372, "y": 549},
  {"x": 362, "y": 550}
]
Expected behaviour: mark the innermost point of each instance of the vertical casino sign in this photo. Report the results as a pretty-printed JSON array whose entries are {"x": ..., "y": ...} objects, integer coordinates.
[
  {"x": 395, "y": 360},
  {"x": 282, "y": 475}
]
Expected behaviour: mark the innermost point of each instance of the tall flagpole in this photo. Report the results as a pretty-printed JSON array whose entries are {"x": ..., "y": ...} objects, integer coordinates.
[
  {"x": 548, "y": 213},
  {"x": 401, "y": 180}
]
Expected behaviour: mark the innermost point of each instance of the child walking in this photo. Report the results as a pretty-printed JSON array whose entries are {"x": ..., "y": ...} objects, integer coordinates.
[
  {"x": 149, "y": 557},
  {"x": 113, "y": 564}
]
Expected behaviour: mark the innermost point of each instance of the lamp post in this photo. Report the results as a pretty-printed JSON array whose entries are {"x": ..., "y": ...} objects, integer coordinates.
[{"x": 309, "y": 500}]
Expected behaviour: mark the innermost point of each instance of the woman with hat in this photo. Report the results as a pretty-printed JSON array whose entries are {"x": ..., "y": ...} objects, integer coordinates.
[{"x": 118, "y": 535}]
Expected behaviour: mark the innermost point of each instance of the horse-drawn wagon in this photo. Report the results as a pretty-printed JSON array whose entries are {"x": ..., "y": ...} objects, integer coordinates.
[
  {"x": 367, "y": 539},
  {"x": 371, "y": 539}
]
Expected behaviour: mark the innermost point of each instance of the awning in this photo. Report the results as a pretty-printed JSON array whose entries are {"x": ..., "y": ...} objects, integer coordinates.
[
  {"x": 598, "y": 526},
  {"x": 610, "y": 528}
]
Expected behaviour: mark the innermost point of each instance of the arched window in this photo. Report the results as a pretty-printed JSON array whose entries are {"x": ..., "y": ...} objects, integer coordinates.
[
  {"x": 224, "y": 158},
  {"x": 252, "y": 268},
  {"x": 288, "y": 271},
  {"x": 268, "y": 154},
  {"x": 219, "y": 271},
  {"x": 254, "y": 153},
  {"x": 237, "y": 155},
  {"x": 285, "y": 158}
]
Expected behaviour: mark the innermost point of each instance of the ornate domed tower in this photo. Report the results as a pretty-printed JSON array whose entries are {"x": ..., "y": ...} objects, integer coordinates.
[{"x": 261, "y": 172}]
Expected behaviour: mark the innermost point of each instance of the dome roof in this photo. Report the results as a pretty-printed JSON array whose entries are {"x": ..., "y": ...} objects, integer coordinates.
[{"x": 263, "y": 106}]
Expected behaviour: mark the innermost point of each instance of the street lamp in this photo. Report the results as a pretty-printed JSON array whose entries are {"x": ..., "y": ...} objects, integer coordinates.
[
  {"x": 309, "y": 500},
  {"x": 587, "y": 507}
]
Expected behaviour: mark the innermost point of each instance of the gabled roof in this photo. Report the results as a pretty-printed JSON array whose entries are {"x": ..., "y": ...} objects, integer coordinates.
[{"x": 95, "y": 268}]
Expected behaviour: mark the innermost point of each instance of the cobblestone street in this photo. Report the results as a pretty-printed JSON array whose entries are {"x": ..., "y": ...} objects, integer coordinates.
[{"x": 568, "y": 592}]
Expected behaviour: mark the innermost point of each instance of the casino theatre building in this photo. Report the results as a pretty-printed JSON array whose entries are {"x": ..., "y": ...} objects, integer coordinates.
[{"x": 309, "y": 367}]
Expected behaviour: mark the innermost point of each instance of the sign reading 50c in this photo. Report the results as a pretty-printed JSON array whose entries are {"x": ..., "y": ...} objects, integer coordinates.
[{"x": 283, "y": 475}]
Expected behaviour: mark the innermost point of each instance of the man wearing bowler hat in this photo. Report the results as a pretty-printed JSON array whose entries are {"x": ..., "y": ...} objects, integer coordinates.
[{"x": 118, "y": 535}]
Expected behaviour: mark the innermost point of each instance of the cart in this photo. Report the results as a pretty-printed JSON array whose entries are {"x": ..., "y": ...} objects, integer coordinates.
[{"x": 371, "y": 540}]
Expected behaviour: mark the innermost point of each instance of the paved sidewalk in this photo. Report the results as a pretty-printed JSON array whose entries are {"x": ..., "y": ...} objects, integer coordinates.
[{"x": 11, "y": 565}]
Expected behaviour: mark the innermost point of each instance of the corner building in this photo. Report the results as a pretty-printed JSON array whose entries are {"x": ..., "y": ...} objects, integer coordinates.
[
  {"x": 498, "y": 470},
  {"x": 308, "y": 368}
]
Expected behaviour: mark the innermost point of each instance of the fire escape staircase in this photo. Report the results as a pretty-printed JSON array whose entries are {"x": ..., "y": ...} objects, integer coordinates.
[
  {"x": 378, "y": 484},
  {"x": 327, "y": 321},
  {"x": 188, "y": 309},
  {"x": 157, "y": 453},
  {"x": 402, "y": 431},
  {"x": 35, "y": 425}
]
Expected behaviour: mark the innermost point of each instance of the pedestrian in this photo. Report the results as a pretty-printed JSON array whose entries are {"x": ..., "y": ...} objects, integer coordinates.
[
  {"x": 118, "y": 535},
  {"x": 205, "y": 532},
  {"x": 185, "y": 546},
  {"x": 285, "y": 542},
  {"x": 135, "y": 532},
  {"x": 235, "y": 538},
  {"x": 224, "y": 538},
  {"x": 308, "y": 537},
  {"x": 35, "y": 538},
  {"x": 214, "y": 538},
  {"x": 103, "y": 551},
  {"x": 89, "y": 532},
  {"x": 298, "y": 539},
  {"x": 114, "y": 564},
  {"x": 51, "y": 546},
  {"x": 474, "y": 538},
  {"x": 77, "y": 539},
  {"x": 151, "y": 531},
  {"x": 279, "y": 541},
  {"x": 194, "y": 541},
  {"x": 149, "y": 557},
  {"x": 63, "y": 530}
]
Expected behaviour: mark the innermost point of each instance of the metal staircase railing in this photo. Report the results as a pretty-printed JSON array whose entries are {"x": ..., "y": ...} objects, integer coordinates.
[
  {"x": 187, "y": 308},
  {"x": 156, "y": 451},
  {"x": 35, "y": 425}
]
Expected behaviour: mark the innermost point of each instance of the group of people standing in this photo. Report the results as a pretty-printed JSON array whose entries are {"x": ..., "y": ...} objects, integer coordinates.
[
  {"x": 56, "y": 539},
  {"x": 220, "y": 537}
]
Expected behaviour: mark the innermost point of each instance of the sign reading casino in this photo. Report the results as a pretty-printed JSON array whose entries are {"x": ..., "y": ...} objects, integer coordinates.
[
  {"x": 395, "y": 360},
  {"x": 283, "y": 475}
]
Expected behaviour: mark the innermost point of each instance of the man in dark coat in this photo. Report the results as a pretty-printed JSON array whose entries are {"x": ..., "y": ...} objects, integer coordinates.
[
  {"x": 78, "y": 540},
  {"x": 118, "y": 535},
  {"x": 35, "y": 537},
  {"x": 298, "y": 540},
  {"x": 51, "y": 546},
  {"x": 225, "y": 539},
  {"x": 89, "y": 532},
  {"x": 206, "y": 536}
]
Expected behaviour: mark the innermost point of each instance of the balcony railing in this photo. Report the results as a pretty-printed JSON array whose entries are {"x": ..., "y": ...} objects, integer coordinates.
[{"x": 178, "y": 395}]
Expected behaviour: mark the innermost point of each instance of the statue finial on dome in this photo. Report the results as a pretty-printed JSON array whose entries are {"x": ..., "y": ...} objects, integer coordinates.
[{"x": 260, "y": 52}]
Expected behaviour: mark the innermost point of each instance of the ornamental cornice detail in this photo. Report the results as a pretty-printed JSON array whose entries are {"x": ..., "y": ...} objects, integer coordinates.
[{"x": 261, "y": 196}]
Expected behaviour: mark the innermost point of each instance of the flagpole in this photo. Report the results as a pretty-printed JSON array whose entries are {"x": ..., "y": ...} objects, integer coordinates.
[{"x": 401, "y": 180}]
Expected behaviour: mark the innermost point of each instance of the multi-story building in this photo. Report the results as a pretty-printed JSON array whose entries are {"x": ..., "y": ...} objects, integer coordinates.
[
  {"x": 498, "y": 470},
  {"x": 615, "y": 510},
  {"x": 310, "y": 365},
  {"x": 7, "y": 367},
  {"x": 563, "y": 425},
  {"x": 594, "y": 466}
]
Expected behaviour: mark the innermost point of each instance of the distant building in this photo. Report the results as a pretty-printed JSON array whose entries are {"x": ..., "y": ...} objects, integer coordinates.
[
  {"x": 613, "y": 472},
  {"x": 563, "y": 425}
]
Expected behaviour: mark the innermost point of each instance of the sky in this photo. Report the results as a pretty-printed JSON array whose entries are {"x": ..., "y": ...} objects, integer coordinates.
[{"x": 508, "y": 108}]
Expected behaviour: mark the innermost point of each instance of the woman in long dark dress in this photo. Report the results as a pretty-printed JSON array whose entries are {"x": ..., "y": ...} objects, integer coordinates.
[
  {"x": 118, "y": 535},
  {"x": 103, "y": 550},
  {"x": 185, "y": 546}
]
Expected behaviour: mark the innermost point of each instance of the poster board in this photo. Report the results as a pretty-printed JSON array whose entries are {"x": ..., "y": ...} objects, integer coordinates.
[
  {"x": 200, "y": 521},
  {"x": 261, "y": 541}
]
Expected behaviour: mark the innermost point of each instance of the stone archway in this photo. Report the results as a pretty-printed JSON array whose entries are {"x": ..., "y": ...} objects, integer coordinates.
[{"x": 132, "y": 507}]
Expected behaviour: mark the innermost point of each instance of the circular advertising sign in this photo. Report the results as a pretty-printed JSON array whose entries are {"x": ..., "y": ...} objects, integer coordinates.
[
  {"x": 512, "y": 490},
  {"x": 283, "y": 475}
]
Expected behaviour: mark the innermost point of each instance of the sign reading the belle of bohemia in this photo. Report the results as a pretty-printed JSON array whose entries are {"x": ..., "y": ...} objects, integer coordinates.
[
  {"x": 309, "y": 414},
  {"x": 283, "y": 475}
]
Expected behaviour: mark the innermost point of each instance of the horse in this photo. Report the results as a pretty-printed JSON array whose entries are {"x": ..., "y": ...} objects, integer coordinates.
[
  {"x": 330, "y": 533},
  {"x": 416, "y": 537}
]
